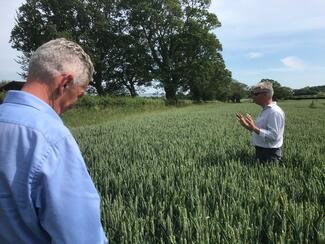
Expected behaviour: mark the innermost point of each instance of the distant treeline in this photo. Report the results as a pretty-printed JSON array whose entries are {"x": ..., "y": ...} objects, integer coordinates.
[
  {"x": 304, "y": 97},
  {"x": 309, "y": 90},
  {"x": 284, "y": 93}
]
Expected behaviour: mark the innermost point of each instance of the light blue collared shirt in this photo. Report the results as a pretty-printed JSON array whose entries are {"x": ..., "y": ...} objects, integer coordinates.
[{"x": 46, "y": 193}]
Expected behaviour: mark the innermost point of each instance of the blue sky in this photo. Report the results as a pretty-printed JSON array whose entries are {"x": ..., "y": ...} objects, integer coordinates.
[{"x": 282, "y": 40}]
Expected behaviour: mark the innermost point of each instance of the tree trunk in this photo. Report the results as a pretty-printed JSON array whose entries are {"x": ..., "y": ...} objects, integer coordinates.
[
  {"x": 170, "y": 90},
  {"x": 97, "y": 82},
  {"x": 196, "y": 96},
  {"x": 132, "y": 90},
  {"x": 98, "y": 76}
]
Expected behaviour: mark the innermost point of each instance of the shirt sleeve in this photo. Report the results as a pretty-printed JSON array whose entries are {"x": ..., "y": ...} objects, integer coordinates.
[
  {"x": 68, "y": 202},
  {"x": 273, "y": 129}
]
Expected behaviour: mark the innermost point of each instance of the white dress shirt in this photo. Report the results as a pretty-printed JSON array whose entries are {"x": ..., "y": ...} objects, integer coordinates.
[{"x": 271, "y": 124}]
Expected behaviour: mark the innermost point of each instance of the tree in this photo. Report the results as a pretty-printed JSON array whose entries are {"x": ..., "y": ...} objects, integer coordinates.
[
  {"x": 3, "y": 82},
  {"x": 176, "y": 35},
  {"x": 41, "y": 21},
  {"x": 96, "y": 25},
  {"x": 130, "y": 42},
  {"x": 309, "y": 91},
  {"x": 133, "y": 65},
  {"x": 237, "y": 91},
  {"x": 201, "y": 67},
  {"x": 2, "y": 93},
  {"x": 280, "y": 92}
]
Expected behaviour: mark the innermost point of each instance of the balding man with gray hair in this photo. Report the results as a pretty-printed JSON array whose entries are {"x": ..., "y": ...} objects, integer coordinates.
[
  {"x": 267, "y": 132},
  {"x": 46, "y": 192}
]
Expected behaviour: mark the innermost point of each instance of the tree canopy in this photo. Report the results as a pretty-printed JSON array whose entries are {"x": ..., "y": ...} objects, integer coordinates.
[
  {"x": 309, "y": 90},
  {"x": 280, "y": 92},
  {"x": 132, "y": 42}
]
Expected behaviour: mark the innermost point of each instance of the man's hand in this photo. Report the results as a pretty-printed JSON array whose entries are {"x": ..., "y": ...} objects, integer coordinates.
[
  {"x": 242, "y": 120},
  {"x": 247, "y": 122}
]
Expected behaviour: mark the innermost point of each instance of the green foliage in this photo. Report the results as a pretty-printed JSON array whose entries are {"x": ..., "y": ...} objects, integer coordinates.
[
  {"x": 2, "y": 96},
  {"x": 237, "y": 91},
  {"x": 280, "y": 92},
  {"x": 3, "y": 82},
  {"x": 310, "y": 97},
  {"x": 200, "y": 67},
  {"x": 310, "y": 91},
  {"x": 132, "y": 42},
  {"x": 96, "y": 25},
  {"x": 188, "y": 176},
  {"x": 99, "y": 109},
  {"x": 314, "y": 92},
  {"x": 3, "y": 93}
]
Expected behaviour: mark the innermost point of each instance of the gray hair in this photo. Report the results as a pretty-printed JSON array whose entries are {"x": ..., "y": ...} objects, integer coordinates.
[
  {"x": 58, "y": 56},
  {"x": 265, "y": 86}
]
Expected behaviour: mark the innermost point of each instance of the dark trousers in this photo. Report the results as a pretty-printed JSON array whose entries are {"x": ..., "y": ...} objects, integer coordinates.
[{"x": 268, "y": 154}]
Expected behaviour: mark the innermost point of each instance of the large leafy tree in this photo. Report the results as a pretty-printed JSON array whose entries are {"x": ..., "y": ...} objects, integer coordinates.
[
  {"x": 237, "y": 91},
  {"x": 177, "y": 36},
  {"x": 131, "y": 42},
  {"x": 133, "y": 66},
  {"x": 200, "y": 65},
  {"x": 96, "y": 25},
  {"x": 39, "y": 21}
]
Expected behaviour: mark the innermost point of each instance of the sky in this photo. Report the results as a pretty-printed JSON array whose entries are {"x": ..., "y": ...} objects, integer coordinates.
[{"x": 283, "y": 40}]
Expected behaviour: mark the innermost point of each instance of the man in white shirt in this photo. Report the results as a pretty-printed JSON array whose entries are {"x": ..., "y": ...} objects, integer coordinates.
[{"x": 267, "y": 131}]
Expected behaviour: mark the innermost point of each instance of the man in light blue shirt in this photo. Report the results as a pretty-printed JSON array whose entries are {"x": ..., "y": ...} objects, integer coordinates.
[
  {"x": 46, "y": 193},
  {"x": 267, "y": 131}
]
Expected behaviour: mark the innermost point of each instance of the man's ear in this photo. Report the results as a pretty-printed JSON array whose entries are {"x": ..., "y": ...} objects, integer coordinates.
[{"x": 65, "y": 82}]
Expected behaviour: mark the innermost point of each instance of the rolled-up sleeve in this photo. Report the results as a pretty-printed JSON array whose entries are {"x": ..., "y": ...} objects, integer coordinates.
[
  {"x": 68, "y": 203},
  {"x": 273, "y": 129}
]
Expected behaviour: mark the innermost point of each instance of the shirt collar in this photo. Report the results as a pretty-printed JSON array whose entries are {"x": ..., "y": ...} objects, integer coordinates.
[
  {"x": 27, "y": 99},
  {"x": 272, "y": 104}
]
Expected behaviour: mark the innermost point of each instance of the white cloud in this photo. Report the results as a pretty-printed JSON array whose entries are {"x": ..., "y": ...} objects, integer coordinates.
[
  {"x": 293, "y": 63},
  {"x": 248, "y": 18},
  {"x": 275, "y": 29},
  {"x": 255, "y": 55}
]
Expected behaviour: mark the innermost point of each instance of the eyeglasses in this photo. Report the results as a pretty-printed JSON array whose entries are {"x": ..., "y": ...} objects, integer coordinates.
[{"x": 257, "y": 93}]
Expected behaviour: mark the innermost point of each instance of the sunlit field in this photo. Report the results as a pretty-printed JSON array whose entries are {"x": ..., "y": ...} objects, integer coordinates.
[{"x": 188, "y": 175}]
